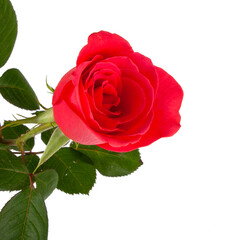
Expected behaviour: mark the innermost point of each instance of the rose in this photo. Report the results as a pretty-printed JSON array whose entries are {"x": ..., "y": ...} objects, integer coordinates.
[{"x": 116, "y": 98}]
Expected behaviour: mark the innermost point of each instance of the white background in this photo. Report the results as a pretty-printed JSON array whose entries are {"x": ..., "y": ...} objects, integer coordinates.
[{"x": 181, "y": 191}]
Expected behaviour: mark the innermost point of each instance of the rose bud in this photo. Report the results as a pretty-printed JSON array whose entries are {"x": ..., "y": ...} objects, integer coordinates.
[{"x": 116, "y": 98}]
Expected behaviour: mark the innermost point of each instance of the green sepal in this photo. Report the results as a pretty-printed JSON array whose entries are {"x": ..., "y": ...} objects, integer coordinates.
[
  {"x": 45, "y": 116},
  {"x": 49, "y": 87},
  {"x": 57, "y": 140},
  {"x": 45, "y": 136}
]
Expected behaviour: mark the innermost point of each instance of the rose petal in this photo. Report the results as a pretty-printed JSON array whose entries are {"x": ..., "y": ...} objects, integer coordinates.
[
  {"x": 138, "y": 126},
  {"x": 119, "y": 147},
  {"x": 78, "y": 97},
  {"x": 115, "y": 141},
  {"x": 106, "y": 71},
  {"x": 166, "y": 121},
  {"x": 59, "y": 89},
  {"x": 145, "y": 67},
  {"x": 75, "y": 129},
  {"x": 116, "y": 98},
  {"x": 106, "y": 44},
  {"x": 167, "y": 103},
  {"x": 132, "y": 98}
]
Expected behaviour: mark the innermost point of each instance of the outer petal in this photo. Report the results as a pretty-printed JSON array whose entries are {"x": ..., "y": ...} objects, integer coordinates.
[
  {"x": 129, "y": 147},
  {"x": 145, "y": 67},
  {"x": 68, "y": 114},
  {"x": 59, "y": 89},
  {"x": 73, "y": 126},
  {"x": 167, "y": 103},
  {"x": 105, "y": 44},
  {"x": 166, "y": 121}
]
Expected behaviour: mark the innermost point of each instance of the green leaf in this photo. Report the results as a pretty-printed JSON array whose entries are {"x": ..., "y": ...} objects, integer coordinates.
[
  {"x": 112, "y": 164},
  {"x": 3, "y": 146},
  {"x": 46, "y": 182},
  {"x": 16, "y": 90},
  {"x": 57, "y": 140},
  {"x": 13, "y": 174},
  {"x": 14, "y": 133},
  {"x": 73, "y": 145},
  {"x": 24, "y": 217},
  {"x": 45, "y": 136},
  {"x": 76, "y": 173},
  {"x": 8, "y": 30},
  {"x": 31, "y": 162}
]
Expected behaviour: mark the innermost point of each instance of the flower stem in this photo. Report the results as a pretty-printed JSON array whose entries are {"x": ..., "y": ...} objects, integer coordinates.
[
  {"x": 41, "y": 118},
  {"x": 33, "y": 132},
  {"x": 32, "y": 120},
  {"x": 28, "y": 153}
]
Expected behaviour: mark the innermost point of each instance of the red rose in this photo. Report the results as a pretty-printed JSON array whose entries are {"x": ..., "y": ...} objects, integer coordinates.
[{"x": 116, "y": 98}]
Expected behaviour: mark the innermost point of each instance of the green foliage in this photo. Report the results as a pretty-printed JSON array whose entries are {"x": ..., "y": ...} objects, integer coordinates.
[
  {"x": 45, "y": 136},
  {"x": 31, "y": 162},
  {"x": 3, "y": 146},
  {"x": 16, "y": 90},
  {"x": 73, "y": 145},
  {"x": 13, "y": 174},
  {"x": 57, "y": 140},
  {"x": 46, "y": 182},
  {"x": 72, "y": 169},
  {"x": 76, "y": 173},
  {"x": 24, "y": 217},
  {"x": 8, "y": 30},
  {"x": 112, "y": 164},
  {"x": 15, "y": 132}
]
